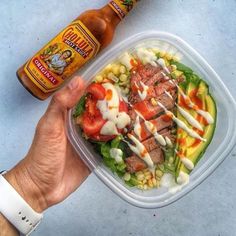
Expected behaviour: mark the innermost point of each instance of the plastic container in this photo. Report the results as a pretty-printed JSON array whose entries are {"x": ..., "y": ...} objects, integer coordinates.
[{"x": 222, "y": 143}]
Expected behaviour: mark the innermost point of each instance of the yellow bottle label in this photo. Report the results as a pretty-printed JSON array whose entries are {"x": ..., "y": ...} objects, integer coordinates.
[
  {"x": 62, "y": 56},
  {"x": 122, "y": 7}
]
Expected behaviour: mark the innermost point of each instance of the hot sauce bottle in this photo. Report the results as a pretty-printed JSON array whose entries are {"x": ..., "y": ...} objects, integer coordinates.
[{"x": 80, "y": 41}]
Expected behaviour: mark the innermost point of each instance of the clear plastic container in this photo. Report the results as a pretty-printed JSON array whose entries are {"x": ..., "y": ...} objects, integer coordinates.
[{"x": 222, "y": 143}]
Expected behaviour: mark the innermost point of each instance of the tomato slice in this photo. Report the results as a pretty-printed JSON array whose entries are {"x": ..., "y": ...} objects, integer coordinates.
[
  {"x": 97, "y": 91},
  {"x": 91, "y": 107},
  {"x": 123, "y": 107},
  {"x": 92, "y": 124},
  {"x": 146, "y": 109}
]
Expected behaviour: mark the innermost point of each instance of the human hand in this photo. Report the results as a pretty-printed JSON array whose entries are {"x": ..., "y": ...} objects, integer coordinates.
[{"x": 52, "y": 169}]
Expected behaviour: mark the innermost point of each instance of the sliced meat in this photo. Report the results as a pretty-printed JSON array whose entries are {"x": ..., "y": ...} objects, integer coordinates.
[
  {"x": 155, "y": 79},
  {"x": 134, "y": 80},
  {"x": 157, "y": 156},
  {"x": 148, "y": 71},
  {"x": 167, "y": 85},
  {"x": 150, "y": 144},
  {"x": 160, "y": 123},
  {"x": 157, "y": 86},
  {"x": 134, "y": 97},
  {"x": 144, "y": 74},
  {"x": 135, "y": 164},
  {"x": 148, "y": 111}
]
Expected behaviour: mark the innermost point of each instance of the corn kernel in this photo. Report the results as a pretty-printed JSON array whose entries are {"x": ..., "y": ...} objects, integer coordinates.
[
  {"x": 138, "y": 173},
  {"x": 123, "y": 77},
  {"x": 116, "y": 69},
  {"x": 153, "y": 101},
  {"x": 168, "y": 57},
  {"x": 155, "y": 50},
  {"x": 159, "y": 173},
  {"x": 144, "y": 181},
  {"x": 122, "y": 69},
  {"x": 108, "y": 68},
  {"x": 146, "y": 172},
  {"x": 162, "y": 54},
  {"x": 140, "y": 177},
  {"x": 127, "y": 176},
  {"x": 98, "y": 78},
  {"x": 161, "y": 167},
  {"x": 154, "y": 182},
  {"x": 126, "y": 91},
  {"x": 148, "y": 176},
  {"x": 171, "y": 160},
  {"x": 150, "y": 184},
  {"x": 173, "y": 67},
  {"x": 145, "y": 187},
  {"x": 111, "y": 76},
  {"x": 140, "y": 186}
]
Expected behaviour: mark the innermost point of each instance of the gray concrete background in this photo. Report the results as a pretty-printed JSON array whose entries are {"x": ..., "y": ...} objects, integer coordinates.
[{"x": 209, "y": 26}]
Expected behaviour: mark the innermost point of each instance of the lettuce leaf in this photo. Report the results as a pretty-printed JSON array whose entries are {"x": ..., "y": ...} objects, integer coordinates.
[{"x": 80, "y": 107}]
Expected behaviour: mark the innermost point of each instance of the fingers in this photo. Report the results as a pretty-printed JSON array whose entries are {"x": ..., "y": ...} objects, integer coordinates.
[{"x": 67, "y": 97}]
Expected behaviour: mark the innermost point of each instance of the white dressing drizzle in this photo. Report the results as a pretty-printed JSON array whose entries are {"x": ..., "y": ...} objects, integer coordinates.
[
  {"x": 152, "y": 129},
  {"x": 137, "y": 127},
  {"x": 168, "y": 94},
  {"x": 183, "y": 178},
  {"x": 109, "y": 128},
  {"x": 206, "y": 115},
  {"x": 142, "y": 94},
  {"x": 187, "y": 163},
  {"x": 192, "y": 121},
  {"x": 117, "y": 154},
  {"x": 181, "y": 124},
  {"x": 162, "y": 63},
  {"x": 109, "y": 108},
  {"x": 140, "y": 151},
  {"x": 168, "y": 142},
  {"x": 125, "y": 60},
  {"x": 146, "y": 56},
  {"x": 190, "y": 104},
  {"x": 168, "y": 181}
]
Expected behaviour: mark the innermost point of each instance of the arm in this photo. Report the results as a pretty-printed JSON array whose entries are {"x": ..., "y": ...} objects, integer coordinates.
[
  {"x": 51, "y": 170},
  {"x": 6, "y": 228}
]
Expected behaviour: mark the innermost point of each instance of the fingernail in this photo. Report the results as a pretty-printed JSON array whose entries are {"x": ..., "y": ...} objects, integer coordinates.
[{"x": 73, "y": 84}]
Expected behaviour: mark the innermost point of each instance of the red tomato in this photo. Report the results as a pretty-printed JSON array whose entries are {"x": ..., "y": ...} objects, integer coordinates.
[
  {"x": 92, "y": 124},
  {"x": 123, "y": 107},
  {"x": 146, "y": 109},
  {"x": 100, "y": 137},
  {"x": 91, "y": 107},
  {"x": 97, "y": 91}
]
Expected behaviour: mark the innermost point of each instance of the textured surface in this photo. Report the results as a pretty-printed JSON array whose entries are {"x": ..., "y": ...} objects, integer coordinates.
[{"x": 209, "y": 26}]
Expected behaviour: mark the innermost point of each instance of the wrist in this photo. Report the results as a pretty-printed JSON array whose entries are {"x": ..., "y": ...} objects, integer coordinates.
[{"x": 21, "y": 181}]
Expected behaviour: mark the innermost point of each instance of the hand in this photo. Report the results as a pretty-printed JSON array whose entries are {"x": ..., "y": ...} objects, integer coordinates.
[{"x": 52, "y": 169}]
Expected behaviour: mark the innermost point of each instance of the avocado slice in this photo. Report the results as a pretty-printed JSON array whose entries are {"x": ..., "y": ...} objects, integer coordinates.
[
  {"x": 195, "y": 153},
  {"x": 183, "y": 135}
]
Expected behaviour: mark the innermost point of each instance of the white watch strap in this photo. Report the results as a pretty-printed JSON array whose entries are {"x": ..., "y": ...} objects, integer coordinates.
[{"x": 16, "y": 210}]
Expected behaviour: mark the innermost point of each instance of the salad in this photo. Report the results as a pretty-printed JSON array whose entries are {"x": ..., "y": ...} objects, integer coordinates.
[{"x": 150, "y": 118}]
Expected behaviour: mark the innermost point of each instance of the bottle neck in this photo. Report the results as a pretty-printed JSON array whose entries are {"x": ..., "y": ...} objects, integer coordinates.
[
  {"x": 110, "y": 15},
  {"x": 118, "y": 8}
]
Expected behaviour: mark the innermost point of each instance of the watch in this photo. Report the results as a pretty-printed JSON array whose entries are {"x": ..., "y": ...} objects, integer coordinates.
[{"x": 14, "y": 208}]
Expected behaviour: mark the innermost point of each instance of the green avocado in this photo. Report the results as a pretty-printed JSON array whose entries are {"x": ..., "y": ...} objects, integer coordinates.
[{"x": 196, "y": 152}]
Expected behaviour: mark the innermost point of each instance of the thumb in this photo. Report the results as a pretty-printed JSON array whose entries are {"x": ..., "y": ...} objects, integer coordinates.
[{"x": 68, "y": 96}]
